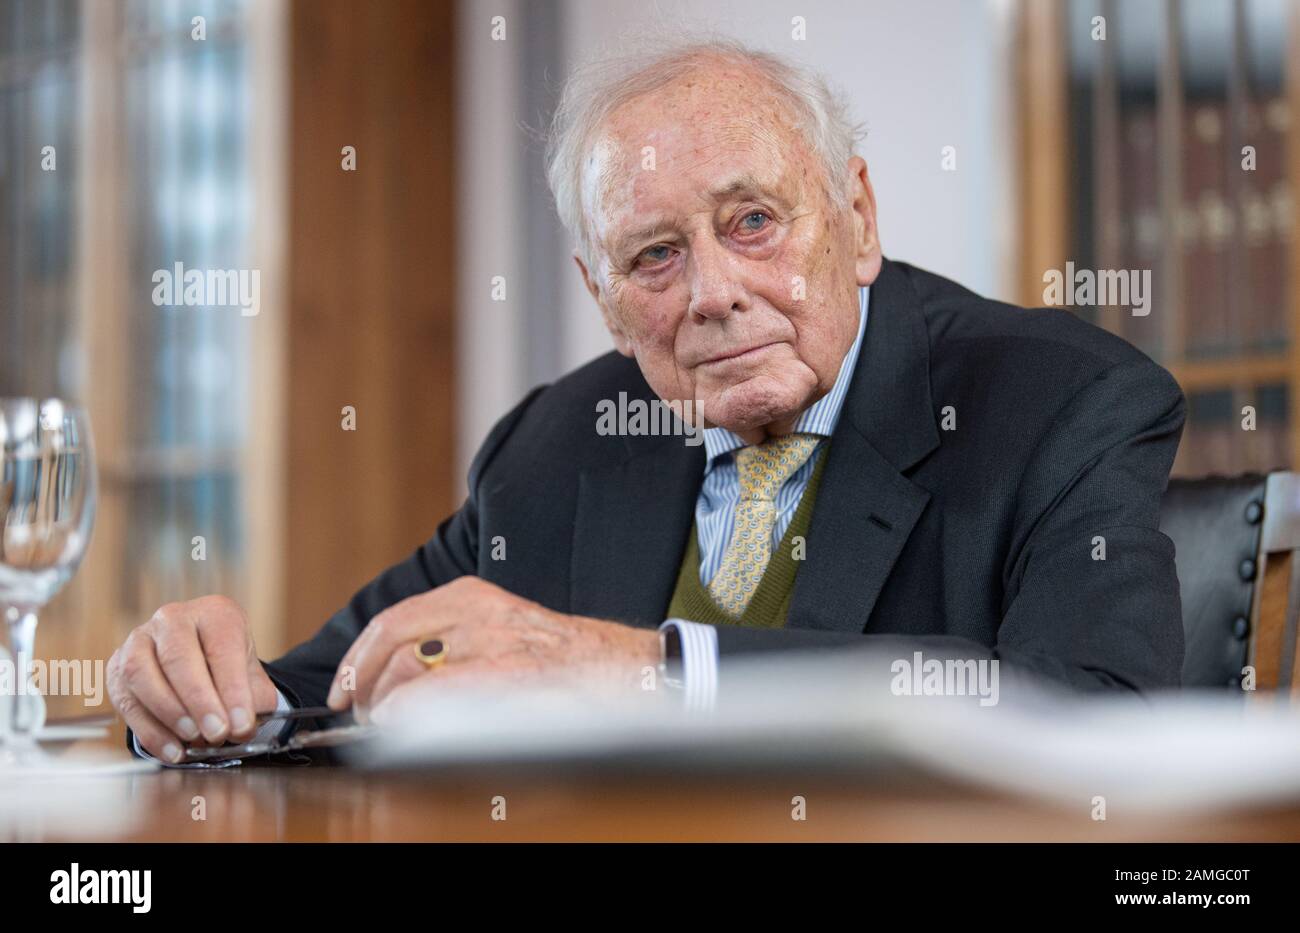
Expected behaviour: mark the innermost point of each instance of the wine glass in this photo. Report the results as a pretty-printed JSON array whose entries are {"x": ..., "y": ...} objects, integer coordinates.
[{"x": 47, "y": 509}]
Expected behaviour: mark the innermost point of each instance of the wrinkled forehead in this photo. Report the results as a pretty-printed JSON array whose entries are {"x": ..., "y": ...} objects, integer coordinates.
[{"x": 678, "y": 149}]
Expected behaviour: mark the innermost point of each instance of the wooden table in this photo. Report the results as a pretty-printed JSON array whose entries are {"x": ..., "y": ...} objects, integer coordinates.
[{"x": 321, "y": 803}]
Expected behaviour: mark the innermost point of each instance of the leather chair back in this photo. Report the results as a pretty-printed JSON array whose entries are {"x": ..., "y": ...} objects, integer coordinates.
[{"x": 1216, "y": 525}]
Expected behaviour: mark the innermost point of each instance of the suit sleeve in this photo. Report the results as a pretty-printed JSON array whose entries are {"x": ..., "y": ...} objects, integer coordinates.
[
  {"x": 305, "y": 672},
  {"x": 1090, "y": 588}
]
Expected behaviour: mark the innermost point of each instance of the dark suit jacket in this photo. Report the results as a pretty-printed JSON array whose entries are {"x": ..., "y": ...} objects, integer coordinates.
[{"x": 977, "y": 541}]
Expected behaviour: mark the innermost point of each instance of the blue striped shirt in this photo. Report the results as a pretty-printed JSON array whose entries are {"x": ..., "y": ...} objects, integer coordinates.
[{"x": 715, "y": 509}]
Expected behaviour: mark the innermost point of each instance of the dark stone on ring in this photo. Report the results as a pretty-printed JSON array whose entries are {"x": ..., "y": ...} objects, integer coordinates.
[{"x": 431, "y": 649}]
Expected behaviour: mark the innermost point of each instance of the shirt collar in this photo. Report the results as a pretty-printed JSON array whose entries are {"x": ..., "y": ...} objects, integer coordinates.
[{"x": 821, "y": 417}]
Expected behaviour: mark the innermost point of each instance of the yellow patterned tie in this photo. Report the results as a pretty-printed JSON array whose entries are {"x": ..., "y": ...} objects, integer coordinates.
[{"x": 763, "y": 469}]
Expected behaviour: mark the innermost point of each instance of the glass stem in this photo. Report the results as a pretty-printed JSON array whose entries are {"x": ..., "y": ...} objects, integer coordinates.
[{"x": 22, "y": 639}]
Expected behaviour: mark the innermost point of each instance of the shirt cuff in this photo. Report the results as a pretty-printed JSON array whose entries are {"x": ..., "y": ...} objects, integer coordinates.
[
  {"x": 267, "y": 732},
  {"x": 699, "y": 660}
]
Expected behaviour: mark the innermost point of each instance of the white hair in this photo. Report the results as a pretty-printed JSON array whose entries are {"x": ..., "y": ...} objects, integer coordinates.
[{"x": 595, "y": 90}]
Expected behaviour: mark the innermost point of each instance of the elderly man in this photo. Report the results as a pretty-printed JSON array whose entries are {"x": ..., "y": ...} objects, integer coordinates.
[{"x": 886, "y": 456}]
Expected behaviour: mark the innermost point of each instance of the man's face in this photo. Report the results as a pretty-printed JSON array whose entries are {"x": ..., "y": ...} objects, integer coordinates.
[{"x": 723, "y": 267}]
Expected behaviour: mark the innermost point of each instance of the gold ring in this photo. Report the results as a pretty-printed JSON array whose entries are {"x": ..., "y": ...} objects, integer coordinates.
[{"x": 431, "y": 653}]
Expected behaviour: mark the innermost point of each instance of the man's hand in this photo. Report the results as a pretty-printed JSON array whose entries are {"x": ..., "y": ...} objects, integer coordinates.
[
  {"x": 488, "y": 632},
  {"x": 190, "y": 674}
]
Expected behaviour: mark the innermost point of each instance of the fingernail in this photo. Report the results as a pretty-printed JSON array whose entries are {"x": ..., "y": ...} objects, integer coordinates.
[
  {"x": 186, "y": 729},
  {"x": 239, "y": 719},
  {"x": 172, "y": 752},
  {"x": 213, "y": 727}
]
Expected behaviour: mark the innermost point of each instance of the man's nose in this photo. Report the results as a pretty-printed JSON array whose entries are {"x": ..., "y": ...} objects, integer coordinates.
[{"x": 716, "y": 290}]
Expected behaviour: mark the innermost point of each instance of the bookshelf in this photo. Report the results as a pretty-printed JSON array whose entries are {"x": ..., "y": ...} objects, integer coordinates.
[{"x": 1160, "y": 137}]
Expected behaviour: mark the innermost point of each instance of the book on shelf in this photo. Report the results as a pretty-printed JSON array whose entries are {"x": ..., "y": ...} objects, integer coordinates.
[
  {"x": 1266, "y": 223},
  {"x": 1221, "y": 220},
  {"x": 1140, "y": 223},
  {"x": 1205, "y": 233}
]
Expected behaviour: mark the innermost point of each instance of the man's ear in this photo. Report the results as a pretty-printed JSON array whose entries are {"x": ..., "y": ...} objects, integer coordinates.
[
  {"x": 621, "y": 343},
  {"x": 866, "y": 235}
]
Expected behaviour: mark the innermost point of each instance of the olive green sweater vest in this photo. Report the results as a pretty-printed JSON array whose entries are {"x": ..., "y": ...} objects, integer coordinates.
[{"x": 771, "y": 601}]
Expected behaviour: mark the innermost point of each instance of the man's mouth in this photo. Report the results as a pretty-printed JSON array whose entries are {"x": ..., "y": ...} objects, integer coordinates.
[{"x": 739, "y": 354}]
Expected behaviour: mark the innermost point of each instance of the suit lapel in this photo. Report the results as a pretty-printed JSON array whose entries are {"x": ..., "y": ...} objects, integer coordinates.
[
  {"x": 866, "y": 507},
  {"x": 630, "y": 530},
  {"x": 864, "y": 515}
]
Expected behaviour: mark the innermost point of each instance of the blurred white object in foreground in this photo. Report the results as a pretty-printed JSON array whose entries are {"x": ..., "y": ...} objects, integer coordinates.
[
  {"x": 84, "y": 800},
  {"x": 848, "y": 711}
]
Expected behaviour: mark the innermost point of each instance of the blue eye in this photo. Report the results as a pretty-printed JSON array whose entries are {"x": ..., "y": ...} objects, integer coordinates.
[
  {"x": 763, "y": 218},
  {"x": 648, "y": 254}
]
